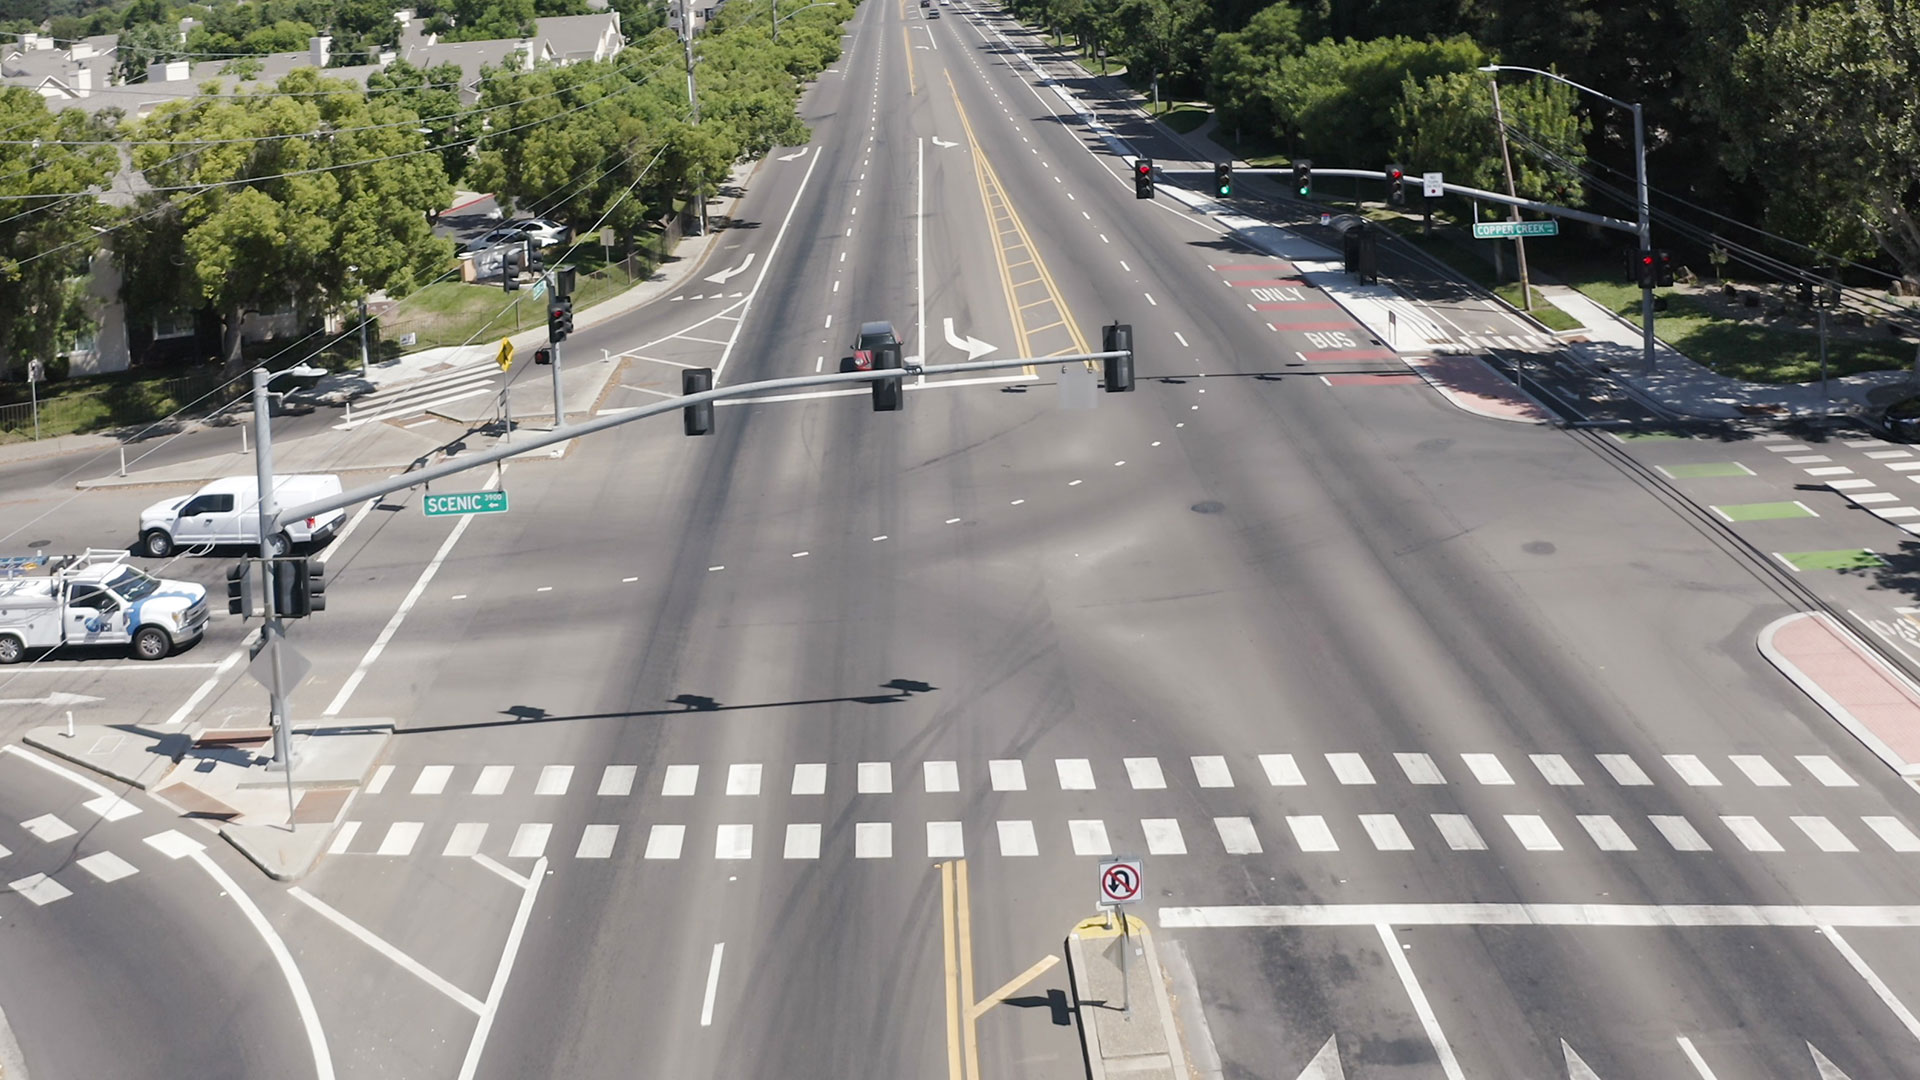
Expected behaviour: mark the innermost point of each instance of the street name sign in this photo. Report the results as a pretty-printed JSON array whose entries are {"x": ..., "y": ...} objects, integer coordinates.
[
  {"x": 1507, "y": 230},
  {"x": 1120, "y": 881},
  {"x": 477, "y": 502}
]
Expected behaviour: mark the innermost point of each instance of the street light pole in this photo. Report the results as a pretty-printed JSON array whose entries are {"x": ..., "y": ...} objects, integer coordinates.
[{"x": 1645, "y": 229}]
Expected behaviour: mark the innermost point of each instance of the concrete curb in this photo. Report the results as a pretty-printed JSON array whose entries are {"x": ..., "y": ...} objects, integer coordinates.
[
  {"x": 1138, "y": 1054},
  {"x": 1840, "y": 713},
  {"x": 1090, "y": 1054}
]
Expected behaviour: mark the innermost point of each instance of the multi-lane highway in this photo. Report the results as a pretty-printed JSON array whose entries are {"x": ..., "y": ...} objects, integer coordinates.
[{"x": 1446, "y": 744}]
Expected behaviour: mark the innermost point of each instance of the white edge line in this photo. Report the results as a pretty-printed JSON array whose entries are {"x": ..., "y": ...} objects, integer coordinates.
[
  {"x": 713, "y": 984},
  {"x": 1497, "y": 914},
  {"x": 379, "y": 645},
  {"x": 206, "y": 687},
  {"x": 1894, "y": 1004},
  {"x": 60, "y": 770},
  {"x": 1448, "y": 1063},
  {"x": 302, "y": 1000},
  {"x": 746, "y": 305},
  {"x": 487, "y": 1012},
  {"x": 379, "y": 945},
  {"x": 490, "y": 864}
]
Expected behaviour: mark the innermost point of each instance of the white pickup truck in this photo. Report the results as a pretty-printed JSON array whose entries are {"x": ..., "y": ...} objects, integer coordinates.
[
  {"x": 94, "y": 599},
  {"x": 227, "y": 511}
]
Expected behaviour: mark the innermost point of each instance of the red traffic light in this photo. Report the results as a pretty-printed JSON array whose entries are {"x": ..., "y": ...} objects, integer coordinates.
[
  {"x": 1396, "y": 173},
  {"x": 1143, "y": 168}
]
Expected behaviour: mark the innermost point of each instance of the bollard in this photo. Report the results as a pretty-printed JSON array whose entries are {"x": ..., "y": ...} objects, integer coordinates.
[
  {"x": 123, "y": 460},
  {"x": 69, "y": 723}
]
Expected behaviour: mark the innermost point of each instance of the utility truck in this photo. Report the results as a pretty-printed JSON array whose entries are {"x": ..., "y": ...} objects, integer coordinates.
[{"x": 94, "y": 599}]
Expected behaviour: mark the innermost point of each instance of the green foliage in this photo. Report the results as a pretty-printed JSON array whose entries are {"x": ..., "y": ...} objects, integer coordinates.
[
  {"x": 251, "y": 237},
  {"x": 1446, "y": 123},
  {"x": 433, "y": 95},
  {"x": 1246, "y": 63},
  {"x": 46, "y": 238},
  {"x": 1818, "y": 106},
  {"x": 485, "y": 20},
  {"x": 1339, "y": 96}
]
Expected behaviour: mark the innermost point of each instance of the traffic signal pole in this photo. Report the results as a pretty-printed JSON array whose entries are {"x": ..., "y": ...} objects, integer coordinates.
[
  {"x": 272, "y": 633},
  {"x": 1506, "y": 161},
  {"x": 747, "y": 391},
  {"x": 559, "y": 404}
]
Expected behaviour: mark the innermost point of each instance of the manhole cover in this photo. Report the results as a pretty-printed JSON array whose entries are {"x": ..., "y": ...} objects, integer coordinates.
[
  {"x": 1538, "y": 547},
  {"x": 1208, "y": 507}
]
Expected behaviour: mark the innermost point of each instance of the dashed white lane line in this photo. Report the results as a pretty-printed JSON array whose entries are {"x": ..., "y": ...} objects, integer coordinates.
[
  {"x": 713, "y": 984},
  {"x": 1151, "y": 300}
]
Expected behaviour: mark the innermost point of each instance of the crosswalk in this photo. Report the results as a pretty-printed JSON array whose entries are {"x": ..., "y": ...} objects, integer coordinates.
[
  {"x": 42, "y": 888},
  {"x": 1204, "y": 771},
  {"x": 1090, "y": 837},
  {"x": 1532, "y": 343},
  {"x": 421, "y": 396},
  {"x": 671, "y": 814},
  {"x": 1896, "y": 507}
]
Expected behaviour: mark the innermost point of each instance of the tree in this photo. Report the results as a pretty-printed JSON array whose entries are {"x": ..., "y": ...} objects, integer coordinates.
[
  {"x": 46, "y": 237},
  {"x": 1446, "y": 124},
  {"x": 1820, "y": 110},
  {"x": 311, "y": 197},
  {"x": 1339, "y": 96},
  {"x": 486, "y": 20},
  {"x": 1167, "y": 37},
  {"x": 1246, "y": 63},
  {"x": 432, "y": 94}
]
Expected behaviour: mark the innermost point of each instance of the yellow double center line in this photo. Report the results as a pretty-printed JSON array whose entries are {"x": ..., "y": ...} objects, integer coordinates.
[
  {"x": 1014, "y": 250},
  {"x": 963, "y": 1012}
]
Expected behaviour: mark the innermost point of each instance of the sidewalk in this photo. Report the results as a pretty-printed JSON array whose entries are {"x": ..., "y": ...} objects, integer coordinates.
[
  {"x": 1678, "y": 386},
  {"x": 1874, "y": 702}
]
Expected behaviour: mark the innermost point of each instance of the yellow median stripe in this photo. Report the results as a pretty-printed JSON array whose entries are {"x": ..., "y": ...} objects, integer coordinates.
[
  {"x": 906, "y": 42},
  {"x": 969, "y": 1033},
  {"x": 953, "y": 973},
  {"x": 1013, "y": 986},
  {"x": 990, "y": 188}
]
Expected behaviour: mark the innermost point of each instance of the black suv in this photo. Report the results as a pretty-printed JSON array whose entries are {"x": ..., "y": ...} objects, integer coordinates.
[{"x": 871, "y": 334}]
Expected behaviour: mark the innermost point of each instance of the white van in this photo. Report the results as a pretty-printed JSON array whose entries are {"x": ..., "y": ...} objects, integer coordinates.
[{"x": 227, "y": 511}]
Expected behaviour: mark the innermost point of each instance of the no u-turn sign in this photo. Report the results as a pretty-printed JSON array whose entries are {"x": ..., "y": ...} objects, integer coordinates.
[{"x": 1120, "y": 881}]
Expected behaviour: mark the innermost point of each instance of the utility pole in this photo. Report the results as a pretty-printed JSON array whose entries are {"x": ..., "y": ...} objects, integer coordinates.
[
  {"x": 1646, "y": 231},
  {"x": 363, "y": 337},
  {"x": 686, "y": 35},
  {"x": 1506, "y": 160}
]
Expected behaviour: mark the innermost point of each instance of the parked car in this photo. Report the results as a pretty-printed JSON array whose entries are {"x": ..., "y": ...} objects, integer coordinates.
[
  {"x": 542, "y": 232},
  {"x": 227, "y": 511},
  {"x": 871, "y": 334}
]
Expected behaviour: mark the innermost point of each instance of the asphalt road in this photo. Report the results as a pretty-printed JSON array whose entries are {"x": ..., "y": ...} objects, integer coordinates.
[{"x": 1335, "y": 656}]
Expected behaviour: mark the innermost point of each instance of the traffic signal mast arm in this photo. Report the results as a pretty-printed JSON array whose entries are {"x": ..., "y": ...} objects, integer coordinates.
[
  {"x": 1455, "y": 189},
  {"x": 565, "y": 432}
]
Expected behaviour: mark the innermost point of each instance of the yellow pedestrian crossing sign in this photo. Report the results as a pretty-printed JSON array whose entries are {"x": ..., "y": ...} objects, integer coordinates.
[{"x": 505, "y": 358}]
